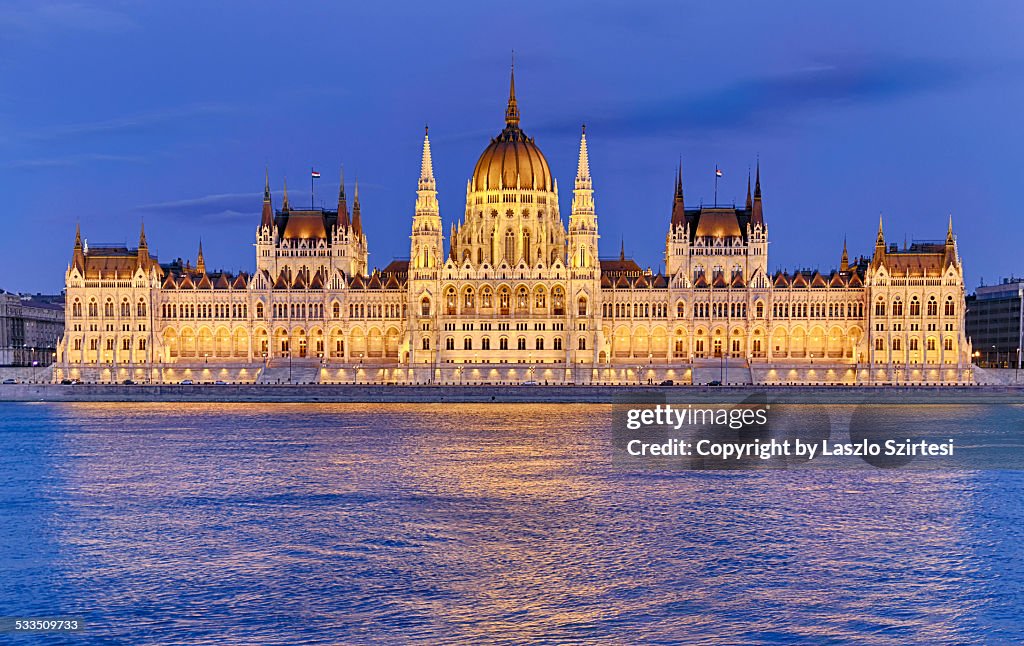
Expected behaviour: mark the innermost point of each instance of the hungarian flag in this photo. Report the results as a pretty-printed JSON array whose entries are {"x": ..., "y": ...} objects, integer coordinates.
[
  {"x": 718, "y": 172},
  {"x": 316, "y": 174}
]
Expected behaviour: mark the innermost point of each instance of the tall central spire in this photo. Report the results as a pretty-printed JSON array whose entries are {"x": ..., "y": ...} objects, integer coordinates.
[
  {"x": 512, "y": 112},
  {"x": 427, "y": 163}
]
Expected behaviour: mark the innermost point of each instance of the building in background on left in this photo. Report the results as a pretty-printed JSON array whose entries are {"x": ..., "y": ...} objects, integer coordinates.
[{"x": 30, "y": 327}]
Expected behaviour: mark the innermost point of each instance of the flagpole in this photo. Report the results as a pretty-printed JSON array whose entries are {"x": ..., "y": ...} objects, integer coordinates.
[
  {"x": 716, "y": 184},
  {"x": 312, "y": 203}
]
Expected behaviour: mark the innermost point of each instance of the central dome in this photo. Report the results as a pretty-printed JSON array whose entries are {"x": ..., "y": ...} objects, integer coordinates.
[{"x": 512, "y": 158}]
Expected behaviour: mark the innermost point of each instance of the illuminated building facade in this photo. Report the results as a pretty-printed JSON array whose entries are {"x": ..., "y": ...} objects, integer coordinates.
[{"x": 518, "y": 296}]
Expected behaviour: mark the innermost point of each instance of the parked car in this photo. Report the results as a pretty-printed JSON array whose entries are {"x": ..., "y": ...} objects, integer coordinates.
[
  {"x": 128, "y": 382},
  {"x": 70, "y": 382},
  {"x": 667, "y": 382},
  {"x": 529, "y": 383},
  {"x": 715, "y": 383},
  {"x": 10, "y": 381},
  {"x": 186, "y": 382},
  {"x": 220, "y": 382}
]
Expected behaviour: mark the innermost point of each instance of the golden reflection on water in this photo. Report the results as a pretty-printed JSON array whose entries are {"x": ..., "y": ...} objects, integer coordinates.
[{"x": 469, "y": 522}]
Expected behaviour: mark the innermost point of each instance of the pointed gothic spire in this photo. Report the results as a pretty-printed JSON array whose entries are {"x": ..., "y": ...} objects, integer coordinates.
[
  {"x": 200, "y": 261},
  {"x": 267, "y": 217},
  {"x": 757, "y": 209},
  {"x": 583, "y": 167},
  {"x": 622, "y": 249},
  {"x": 343, "y": 220},
  {"x": 426, "y": 162},
  {"x": 357, "y": 219},
  {"x": 78, "y": 257},
  {"x": 750, "y": 202},
  {"x": 844, "y": 261},
  {"x": 678, "y": 203},
  {"x": 285, "y": 207},
  {"x": 949, "y": 231},
  {"x": 143, "y": 250},
  {"x": 879, "y": 256},
  {"x": 512, "y": 112}
]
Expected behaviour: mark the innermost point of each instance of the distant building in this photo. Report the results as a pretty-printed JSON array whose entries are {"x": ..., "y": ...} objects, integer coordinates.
[
  {"x": 516, "y": 294},
  {"x": 995, "y": 323},
  {"x": 30, "y": 327}
]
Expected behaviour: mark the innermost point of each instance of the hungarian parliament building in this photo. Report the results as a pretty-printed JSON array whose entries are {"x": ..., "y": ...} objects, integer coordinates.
[{"x": 515, "y": 297}]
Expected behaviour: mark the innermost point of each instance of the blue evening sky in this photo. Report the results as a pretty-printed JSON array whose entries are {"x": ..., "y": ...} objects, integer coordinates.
[{"x": 116, "y": 112}]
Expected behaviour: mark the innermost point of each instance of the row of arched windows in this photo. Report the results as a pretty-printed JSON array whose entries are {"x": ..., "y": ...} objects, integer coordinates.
[
  {"x": 932, "y": 308},
  {"x": 108, "y": 308},
  {"x": 503, "y": 342}
]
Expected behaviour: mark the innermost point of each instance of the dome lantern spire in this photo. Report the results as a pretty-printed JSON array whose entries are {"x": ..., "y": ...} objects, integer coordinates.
[{"x": 512, "y": 111}]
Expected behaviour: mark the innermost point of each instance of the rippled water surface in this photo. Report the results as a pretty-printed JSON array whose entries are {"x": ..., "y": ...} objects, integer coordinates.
[{"x": 339, "y": 524}]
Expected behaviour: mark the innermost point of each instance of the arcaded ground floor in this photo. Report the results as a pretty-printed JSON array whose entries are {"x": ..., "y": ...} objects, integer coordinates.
[{"x": 699, "y": 372}]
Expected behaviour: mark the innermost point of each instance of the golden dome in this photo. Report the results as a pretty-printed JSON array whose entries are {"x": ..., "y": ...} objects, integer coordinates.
[{"x": 512, "y": 158}]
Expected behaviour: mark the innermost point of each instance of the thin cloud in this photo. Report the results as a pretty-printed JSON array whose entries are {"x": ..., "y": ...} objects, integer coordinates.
[
  {"x": 72, "y": 160},
  {"x": 771, "y": 101},
  {"x": 207, "y": 205},
  {"x": 140, "y": 121},
  {"x": 36, "y": 17}
]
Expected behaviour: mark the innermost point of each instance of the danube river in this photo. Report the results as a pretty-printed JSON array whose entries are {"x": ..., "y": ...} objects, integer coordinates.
[{"x": 339, "y": 524}]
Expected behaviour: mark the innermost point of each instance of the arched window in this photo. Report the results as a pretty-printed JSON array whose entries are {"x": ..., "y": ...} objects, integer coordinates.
[
  {"x": 126, "y": 309},
  {"x": 93, "y": 309},
  {"x": 485, "y": 343},
  {"x": 503, "y": 343},
  {"x": 450, "y": 299},
  {"x": 522, "y": 298},
  {"x": 880, "y": 307},
  {"x": 759, "y": 309},
  {"x": 558, "y": 343},
  {"x": 680, "y": 310},
  {"x": 108, "y": 309},
  {"x": 879, "y": 344},
  {"x": 933, "y": 307},
  {"x": 510, "y": 247},
  {"x": 449, "y": 343},
  {"x": 558, "y": 300},
  {"x": 259, "y": 309},
  {"x": 521, "y": 343},
  {"x": 486, "y": 300},
  {"x": 424, "y": 309},
  {"x": 583, "y": 343},
  {"x": 913, "y": 344},
  {"x": 76, "y": 308},
  {"x": 930, "y": 345},
  {"x": 948, "y": 344},
  {"x": 539, "y": 344},
  {"x": 140, "y": 309},
  {"x": 426, "y": 343},
  {"x": 896, "y": 345},
  {"x": 897, "y": 307},
  {"x": 336, "y": 310},
  {"x": 470, "y": 298},
  {"x": 915, "y": 307},
  {"x": 526, "y": 245},
  {"x": 950, "y": 309},
  {"x": 467, "y": 343},
  {"x": 582, "y": 305},
  {"x": 539, "y": 298}
]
